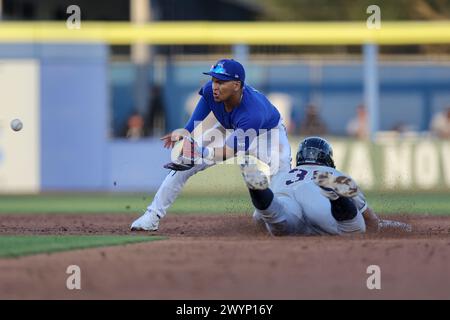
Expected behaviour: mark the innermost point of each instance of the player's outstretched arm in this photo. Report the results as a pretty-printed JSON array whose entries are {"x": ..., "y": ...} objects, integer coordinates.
[
  {"x": 375, "y": 224},
  {"x": 371, "y": 219}
]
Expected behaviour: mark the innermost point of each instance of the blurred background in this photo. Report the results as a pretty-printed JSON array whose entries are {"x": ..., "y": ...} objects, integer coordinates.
[{"x": 94, "y": 104}]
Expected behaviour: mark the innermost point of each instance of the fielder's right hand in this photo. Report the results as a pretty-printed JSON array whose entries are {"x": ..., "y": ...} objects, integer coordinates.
[{"x": 170, "y": 139}]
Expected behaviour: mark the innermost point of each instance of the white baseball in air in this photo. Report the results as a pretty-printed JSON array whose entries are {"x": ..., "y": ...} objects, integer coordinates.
[{"x": 16, "y": 125}]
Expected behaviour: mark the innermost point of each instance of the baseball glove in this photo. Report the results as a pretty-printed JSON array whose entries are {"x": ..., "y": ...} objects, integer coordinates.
[{"x": 185, "y": 155}]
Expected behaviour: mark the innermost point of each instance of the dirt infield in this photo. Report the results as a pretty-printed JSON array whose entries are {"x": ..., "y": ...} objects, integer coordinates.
[{"x": 227, "y": 257}]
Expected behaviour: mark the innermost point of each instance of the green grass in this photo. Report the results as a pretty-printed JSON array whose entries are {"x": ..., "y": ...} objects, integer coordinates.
[
  {"x": 234, "y": 202},
  {"x": 70, "y": 203},
  {"x": 419, "y": 203},
  {"x": 15, "y": 246},
  {"x": 119, "y": 203}
]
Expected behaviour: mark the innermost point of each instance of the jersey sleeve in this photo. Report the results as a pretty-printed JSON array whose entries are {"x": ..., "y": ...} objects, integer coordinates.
[
  {"x": 201, "y": 111},
  {"x": 207, "y": 92}
]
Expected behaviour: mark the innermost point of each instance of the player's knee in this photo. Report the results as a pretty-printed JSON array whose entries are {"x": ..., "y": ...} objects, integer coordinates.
[{"x": 343, "y": 209}]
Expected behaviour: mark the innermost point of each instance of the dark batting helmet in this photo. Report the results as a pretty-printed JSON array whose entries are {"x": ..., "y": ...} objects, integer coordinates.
[{"x": 315, "y": 150}]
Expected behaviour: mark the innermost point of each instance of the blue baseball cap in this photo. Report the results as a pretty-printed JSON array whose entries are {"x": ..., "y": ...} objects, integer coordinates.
[{"x": 227, "y": 70}]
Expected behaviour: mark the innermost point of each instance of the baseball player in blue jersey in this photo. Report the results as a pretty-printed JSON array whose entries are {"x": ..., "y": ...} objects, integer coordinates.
[
  {"x": 243, "y": 114},
  {"x": 313, "y": 198}
]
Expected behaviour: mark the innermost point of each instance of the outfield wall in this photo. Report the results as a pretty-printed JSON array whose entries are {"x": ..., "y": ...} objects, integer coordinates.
[
  {"x": 396, "y": 164},
  {"x": 20, "y": 151},
  {"x": 63, "y": 103}
]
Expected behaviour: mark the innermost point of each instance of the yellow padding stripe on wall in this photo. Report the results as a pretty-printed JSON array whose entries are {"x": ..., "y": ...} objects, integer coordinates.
[{"x": 257, "y": 33}]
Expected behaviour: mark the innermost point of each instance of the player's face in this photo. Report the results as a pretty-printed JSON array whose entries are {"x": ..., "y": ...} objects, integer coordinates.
[{"x": 223, "y": 90}]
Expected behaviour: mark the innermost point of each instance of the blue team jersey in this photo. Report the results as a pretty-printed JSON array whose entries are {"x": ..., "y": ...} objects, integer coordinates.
[{"x": 254, "y": 112}]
